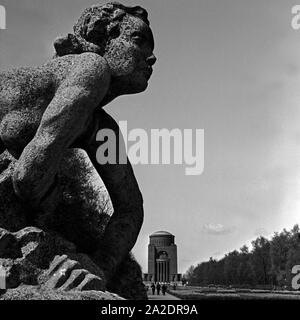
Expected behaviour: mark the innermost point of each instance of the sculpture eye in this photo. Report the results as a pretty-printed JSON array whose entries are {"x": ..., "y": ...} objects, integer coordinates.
[{"x": 138, "y": 38}]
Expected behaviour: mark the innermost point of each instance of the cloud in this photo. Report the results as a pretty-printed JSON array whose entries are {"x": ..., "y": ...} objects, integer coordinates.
[{"x": 217, "y": 229}]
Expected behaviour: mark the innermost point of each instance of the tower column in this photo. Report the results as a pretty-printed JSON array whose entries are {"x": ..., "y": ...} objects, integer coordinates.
[
  {"x": 166, "y": 270},
  {"x": 159, "y": 271}
]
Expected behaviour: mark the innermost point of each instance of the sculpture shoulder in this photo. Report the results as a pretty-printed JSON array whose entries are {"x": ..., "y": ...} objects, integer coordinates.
[
  {"x": 93, "y": 64},
  {"x": 86, "y": 69}
]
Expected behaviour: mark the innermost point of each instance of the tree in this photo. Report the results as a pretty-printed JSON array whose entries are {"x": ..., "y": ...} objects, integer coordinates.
[
  {"x": 268, "y": 263},
  {"x": 188, "y": 276},
  {"x": 260, "y": 259},
  {"x": 281, "y": 244},
  {"x": 231, "y": 267}
]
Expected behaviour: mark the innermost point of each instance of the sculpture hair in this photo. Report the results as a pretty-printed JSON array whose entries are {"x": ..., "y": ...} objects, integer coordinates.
[{"x": 96, "y": 26}]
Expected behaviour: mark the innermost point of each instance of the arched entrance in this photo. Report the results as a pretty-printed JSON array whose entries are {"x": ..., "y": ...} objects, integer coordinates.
[{"x": 162, "y": 267}]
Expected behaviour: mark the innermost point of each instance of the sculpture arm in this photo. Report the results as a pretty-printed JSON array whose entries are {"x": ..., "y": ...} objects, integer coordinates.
[
  {"x": 124, "y": 226},
  {"x": 64, "y": 120}
]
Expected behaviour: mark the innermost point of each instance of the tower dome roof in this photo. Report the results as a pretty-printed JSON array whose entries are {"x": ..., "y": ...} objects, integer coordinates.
[{"x": 161, "y": 233}]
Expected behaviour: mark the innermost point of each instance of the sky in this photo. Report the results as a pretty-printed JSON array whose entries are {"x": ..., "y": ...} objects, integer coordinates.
[{"x": 229, "y": 67}]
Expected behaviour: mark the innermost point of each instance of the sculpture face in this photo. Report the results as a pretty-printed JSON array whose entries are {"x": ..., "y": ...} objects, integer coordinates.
[{"x": 130, "y": 55}]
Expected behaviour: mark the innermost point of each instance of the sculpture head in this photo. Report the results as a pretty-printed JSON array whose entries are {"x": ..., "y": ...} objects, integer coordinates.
[{"x": 122, "y": 36}]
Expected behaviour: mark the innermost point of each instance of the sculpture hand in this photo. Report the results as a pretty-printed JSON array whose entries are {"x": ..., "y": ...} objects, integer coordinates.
[{"x": 66, "y": 274}]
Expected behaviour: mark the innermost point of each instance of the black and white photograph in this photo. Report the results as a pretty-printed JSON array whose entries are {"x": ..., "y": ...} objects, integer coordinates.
[{"x": 149, "y": 151}]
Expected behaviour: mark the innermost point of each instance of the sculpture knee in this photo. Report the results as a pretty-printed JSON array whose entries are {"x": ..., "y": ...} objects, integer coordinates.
[{"x": 30, "y": 190}]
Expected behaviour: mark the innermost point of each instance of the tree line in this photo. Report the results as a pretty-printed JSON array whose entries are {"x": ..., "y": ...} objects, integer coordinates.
[{"x": 267, "y": 264}]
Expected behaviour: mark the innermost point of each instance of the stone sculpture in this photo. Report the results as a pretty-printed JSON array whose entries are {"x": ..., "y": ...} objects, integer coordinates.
[{"x": 48, "y": 115}]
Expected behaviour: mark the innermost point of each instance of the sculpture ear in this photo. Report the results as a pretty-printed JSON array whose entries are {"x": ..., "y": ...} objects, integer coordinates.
[{"x": 96, "y": 30}]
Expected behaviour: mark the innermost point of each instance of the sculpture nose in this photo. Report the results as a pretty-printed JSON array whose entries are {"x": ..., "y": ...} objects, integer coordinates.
[{"x": 151, "y": 60}]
